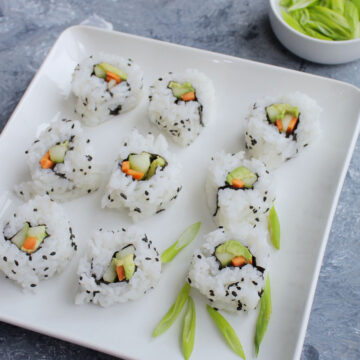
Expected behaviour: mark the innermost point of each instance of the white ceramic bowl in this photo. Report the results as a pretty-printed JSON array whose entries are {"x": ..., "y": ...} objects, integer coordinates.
[{"x": 319, "y": 51}]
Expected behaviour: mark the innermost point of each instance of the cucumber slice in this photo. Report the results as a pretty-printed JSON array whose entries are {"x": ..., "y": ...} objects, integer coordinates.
[
  {"x": 231, "y": 249},
  {"x": 244, "y": 174},
  {"x": 159, "y": 161},
  {"x": 129, "y": 266},
  {"x": 140, "y": 162},
  {"x": 99, "y": 72},
  {"x": 58, "y": 152},
  {"x": 278, "y": 111},
  {"x": 110, "y": 274},
  {"x": 38, "y": 232},
  {"x": 225, "y": 258},
  {"x": 130, "y": 249},
  {"x": 21, "y": 236},
  {"x": 107, "y": 67},
  {"x": 179, "y": 90}
]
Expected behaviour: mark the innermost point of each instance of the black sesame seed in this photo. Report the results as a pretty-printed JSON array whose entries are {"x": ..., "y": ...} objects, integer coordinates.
[
  {"x": 264, "y": 198},
  {"x": 199, "y": 256},
  {"x": 16, "y": 263},
  {"x": 255, "y": 283},
  {"x": 14, "y": 272},
  {"x": 5, "y": 258},
  {"x": 35, "y": 209},
  {"x": 53, "y": 253},
  {"x": 44, "y": 257},
  {"x": 46, "y": 269},
  {"x": 257, "y": 219},
  {"x": 33, "y": 285},
  {"x": 146, "y": 192},
  {"x": 189, "y": 280},
  {"x": 234, "y": 293}
]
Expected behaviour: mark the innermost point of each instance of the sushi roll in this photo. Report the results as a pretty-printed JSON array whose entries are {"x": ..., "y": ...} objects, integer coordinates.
[
  {"x": 229, "y": 270},
  {"x": 36, "y": 242},
  {"x": 278, "y": 128},
  {"x": 145, "y": 177},
  {"x": 106, "y": 86},
  {"x": 61, "y": 164},
  {"x": 182, "y": 104},
  {"x": 239, "y": 191},
  {"x": 118, "y": 267}
]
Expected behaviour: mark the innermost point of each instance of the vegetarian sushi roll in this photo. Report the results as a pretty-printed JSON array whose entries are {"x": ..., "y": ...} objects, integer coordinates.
[
  {"x": 106, "y": 86},
  {"x": 145, "y": 177},
  {"x": 229, "y": 270},
  {"x": 239, "y": 191},
  {"x": 182, "y": 104},
  {"x": 36, "y": 242},
  {"x": 279, "y": 128},
  {"x": 61, "y": 164},
  {"x": 118, "y": 267}
]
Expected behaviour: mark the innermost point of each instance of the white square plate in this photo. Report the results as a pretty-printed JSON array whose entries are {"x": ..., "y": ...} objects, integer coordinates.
[{"x": 308, "y": 188}]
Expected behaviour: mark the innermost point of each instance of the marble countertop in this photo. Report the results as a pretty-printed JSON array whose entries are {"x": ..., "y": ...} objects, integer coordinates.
[{"x": 28, "y": 29}]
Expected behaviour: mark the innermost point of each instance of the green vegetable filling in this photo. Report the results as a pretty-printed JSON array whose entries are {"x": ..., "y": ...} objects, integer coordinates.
[
  {"x": 125, "y": 259},
  {"x": 331, "y": 20},
  {"x": 232, "y": 252},
  {"x": 101, "y": 70},
  {"x": 243, "y": 175},
  {"x": 29, "y": 238},
  {"x": 179, "y": 89},
  {"x": 146, "y": 163},
  {"x": 58, "y": 152},
  {"x": 284, "y": 116}
]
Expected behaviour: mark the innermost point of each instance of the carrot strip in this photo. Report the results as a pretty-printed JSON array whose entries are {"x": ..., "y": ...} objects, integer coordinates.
[
  {"x": 120, "y": 272},
  {"x": 292, "y": 125},
  {"x": 188, "y": 96},
  {"x": 110, "y": 75},
  {"x": 237, "y": 183},
  {"x": 238, "y": 261},
  {"x": 279, "y": 124},
  {"x": 29, "y": 243},
  {"x": 125, "y": 166},
  {"x": 45, "y": 161},
  {"x": 135, "y": 174}
]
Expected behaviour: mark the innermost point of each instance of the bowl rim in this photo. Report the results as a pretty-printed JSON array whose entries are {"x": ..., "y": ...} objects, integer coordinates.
[{"x": 275, "y": 6}]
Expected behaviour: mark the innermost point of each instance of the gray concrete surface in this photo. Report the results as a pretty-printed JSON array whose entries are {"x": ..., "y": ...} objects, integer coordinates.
[{"x": 28, "y": 29}]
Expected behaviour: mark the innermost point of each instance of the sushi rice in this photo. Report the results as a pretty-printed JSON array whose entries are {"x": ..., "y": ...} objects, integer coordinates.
[
  {"x": 234, "y": 208},
  {"x": 97, "y": 103},
  {"x": 146, "y": 197},
  {"x": 182, "y": 121},
  {"x": 54, "y": 253},
  {"x": 78, "y": 175},
  {"x": 230, "y": 288},
  {"x": 93, "y": 265},
  {"x": 266, "y": 143}
]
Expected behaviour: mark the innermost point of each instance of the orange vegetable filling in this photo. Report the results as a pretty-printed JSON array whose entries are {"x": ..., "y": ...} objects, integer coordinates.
[
  {"x": 29, "y": 243},
  {"x": 237, "y": 183},
  {"x": 240, "y": 260},
  {"x": 112, "y": 76},
  {"x": 188, "y": 96},
  {"x": 125, "y": 167},
  {"x": 279, "y": 124},
  {"x": 45, "y": 161},
  {"x": 120, "y": 272},
  {"x": 292, "y": 125}
]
